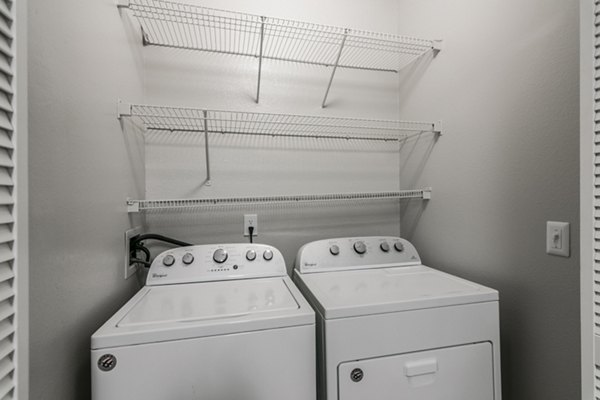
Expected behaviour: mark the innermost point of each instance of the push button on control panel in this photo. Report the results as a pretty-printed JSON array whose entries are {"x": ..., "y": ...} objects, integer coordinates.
[{"x": 169, "y": 260}]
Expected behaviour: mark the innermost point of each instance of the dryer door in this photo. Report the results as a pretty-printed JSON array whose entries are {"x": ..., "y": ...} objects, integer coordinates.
[{"x": 455, "y": 373}]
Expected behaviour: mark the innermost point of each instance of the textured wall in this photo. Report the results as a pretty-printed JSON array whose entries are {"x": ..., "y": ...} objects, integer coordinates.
[
  {"x": 506, "y": 88},
  {"x": 81, "y": 170}
]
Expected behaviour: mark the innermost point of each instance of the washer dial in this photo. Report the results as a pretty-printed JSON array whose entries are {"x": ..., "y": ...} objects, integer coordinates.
[{"x": 220, "y": 256}]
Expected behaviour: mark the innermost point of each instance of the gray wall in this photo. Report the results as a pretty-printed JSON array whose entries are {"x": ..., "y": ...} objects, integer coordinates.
[
  {"x": 80, "y": 173},
  {"x": 506, "y": 88},
  {"x": 247, "y": 166},
  {"x": 84, "y": 164}
]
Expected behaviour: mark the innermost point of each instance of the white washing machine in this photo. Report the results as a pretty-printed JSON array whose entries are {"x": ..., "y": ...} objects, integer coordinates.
[
  {"x": 214, "y": 322},
  {"x": 389, "y": 327}
]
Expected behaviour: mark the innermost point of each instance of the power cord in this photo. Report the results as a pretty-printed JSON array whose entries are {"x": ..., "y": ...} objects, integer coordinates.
[
  {"x": 251, "y": 232},
  {"x": 136, "y": 245}
]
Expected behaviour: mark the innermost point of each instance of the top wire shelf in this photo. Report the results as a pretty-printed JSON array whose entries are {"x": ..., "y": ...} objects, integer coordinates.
[{"x": 190, "y": 27}]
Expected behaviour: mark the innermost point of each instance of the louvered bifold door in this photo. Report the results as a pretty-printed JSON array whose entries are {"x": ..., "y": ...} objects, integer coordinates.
[
  {"x": 597, "y": 197},
  {"x": 7, "y": 310}
]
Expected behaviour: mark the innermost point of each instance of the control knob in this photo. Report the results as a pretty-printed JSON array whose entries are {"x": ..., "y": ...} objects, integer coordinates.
[
  {"x": 335, "y": 249},
  {"x": 251, "y": 255},
  {"x": 220, "y": 256},
  {"x": 268, "y": 255},
  {"x": 169, "y": 260},
  {"x": 399, "y": 246},
  {"x": 385, "y": 247},
  {"x": 188, "y": 258},
  {"x": 360, "y": 247}
]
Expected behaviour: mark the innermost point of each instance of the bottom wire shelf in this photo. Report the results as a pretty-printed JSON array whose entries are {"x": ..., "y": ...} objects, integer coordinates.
[{"x": 134, "y": 206}]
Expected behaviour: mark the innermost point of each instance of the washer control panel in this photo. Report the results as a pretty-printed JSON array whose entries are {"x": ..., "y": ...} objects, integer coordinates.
[
  {"x": 356, "y": 253},
  {"x": 215, "y": 262}
]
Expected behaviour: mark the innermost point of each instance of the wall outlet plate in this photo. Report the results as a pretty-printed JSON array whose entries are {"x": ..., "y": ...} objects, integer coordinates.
[
  {"x": 250, "y": 220},
  {"x": 130, "y": 269}
]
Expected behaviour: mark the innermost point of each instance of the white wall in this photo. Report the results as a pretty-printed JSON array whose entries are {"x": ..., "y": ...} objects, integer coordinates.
[
  {"x": 506, "y": 88},
  {"x": 246, "y": 166},
  {"x": 80, "y": 62}
]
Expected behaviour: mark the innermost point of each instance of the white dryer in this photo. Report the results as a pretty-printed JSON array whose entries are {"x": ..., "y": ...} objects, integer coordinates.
[
  {"x": 389, "y": 327},
  {"x": 213, "y": 322}
]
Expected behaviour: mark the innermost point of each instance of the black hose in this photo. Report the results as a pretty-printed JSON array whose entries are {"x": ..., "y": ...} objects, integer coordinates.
[{"x": 153, "y": 236}]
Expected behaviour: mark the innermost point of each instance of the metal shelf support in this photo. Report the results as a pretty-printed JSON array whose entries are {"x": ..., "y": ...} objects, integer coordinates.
[
  {"x": 335, "y": 66},
  {"x": 206, "y": 149},
  {"x": 260, "y": 55}
]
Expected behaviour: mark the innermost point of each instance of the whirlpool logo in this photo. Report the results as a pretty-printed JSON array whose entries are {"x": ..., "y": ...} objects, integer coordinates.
[
  {"x": 155, "y": 275},
  {"x": 309, "y": 265}
]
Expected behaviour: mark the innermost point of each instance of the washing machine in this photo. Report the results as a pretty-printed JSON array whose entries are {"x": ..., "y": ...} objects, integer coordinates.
[
  {"x": 389, "y": 327},
  {"x": 213, "y": 322}
]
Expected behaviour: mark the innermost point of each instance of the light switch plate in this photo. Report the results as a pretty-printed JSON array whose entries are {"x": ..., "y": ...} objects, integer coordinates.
[{"x": 558, "y": 238}]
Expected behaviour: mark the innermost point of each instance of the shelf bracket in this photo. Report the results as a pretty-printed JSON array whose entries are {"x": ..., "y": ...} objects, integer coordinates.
[
  {"x": 437, "y": 46},
  {"x": 123, "y": 109},
  {"x": 133, "y": 206},
  {"x": 337, "y": 61},
  {"x": 260, "y": 55},
  {"x": 207, "y": 152},
  {"x": 437, "y": 128},
  {"x": 123, "y": 3},
  {"x": 427, "y": 193}
]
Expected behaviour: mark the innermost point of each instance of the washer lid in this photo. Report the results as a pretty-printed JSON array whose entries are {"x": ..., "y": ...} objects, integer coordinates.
[
  {"x": 171, "y": 312},
  {"x": 375, "y": 291}
]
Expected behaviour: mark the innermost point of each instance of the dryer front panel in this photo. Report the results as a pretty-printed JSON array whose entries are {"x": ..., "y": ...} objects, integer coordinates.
[{"x": 455, "y": 373}]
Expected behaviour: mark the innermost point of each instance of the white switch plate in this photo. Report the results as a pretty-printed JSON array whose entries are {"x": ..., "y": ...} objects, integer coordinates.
[
  {"x": 130, "y": 269},
  {"x": 558, "y": 238}
]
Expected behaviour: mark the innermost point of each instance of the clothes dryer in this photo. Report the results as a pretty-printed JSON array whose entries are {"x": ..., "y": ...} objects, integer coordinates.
[{"x": 389, "y": 327}]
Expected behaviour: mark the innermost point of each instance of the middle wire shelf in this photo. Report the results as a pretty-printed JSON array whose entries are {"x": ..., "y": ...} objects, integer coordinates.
[
  {"x": 180, "y": 119},
  {"x": 203, "y": 121}
]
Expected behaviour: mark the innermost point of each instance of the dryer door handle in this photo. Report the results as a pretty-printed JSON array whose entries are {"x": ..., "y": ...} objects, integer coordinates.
[{"x": 421, "y": 367}]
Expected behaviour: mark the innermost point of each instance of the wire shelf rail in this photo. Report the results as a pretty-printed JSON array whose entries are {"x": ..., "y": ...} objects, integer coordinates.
[
  {"x": 135, "y": 206},
  {"x": 184, "y": 26}
]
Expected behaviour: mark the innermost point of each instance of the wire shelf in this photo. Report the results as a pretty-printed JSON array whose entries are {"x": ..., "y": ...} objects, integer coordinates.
[
  {"x": 190, "y": 27},
  {"x": 191, "y": 204},
  {"x": 176, "y": 119}
]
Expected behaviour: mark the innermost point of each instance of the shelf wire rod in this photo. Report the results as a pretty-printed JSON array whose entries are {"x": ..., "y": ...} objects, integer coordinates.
[
  {"x": 335, "y": 67},
  {"x": 206, "y": 149},
  {"x": 260, "y": 56},
  {"x": 341, "y": 136},
  {"x": 279, "y": 125}
]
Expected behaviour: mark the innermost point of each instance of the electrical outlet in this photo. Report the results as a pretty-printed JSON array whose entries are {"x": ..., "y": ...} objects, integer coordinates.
[
  {"x": 250, "y": 220},
  {"x": 130, "y": 269}
]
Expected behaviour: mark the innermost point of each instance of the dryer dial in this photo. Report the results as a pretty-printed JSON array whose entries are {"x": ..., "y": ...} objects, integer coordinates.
[{"x": 360, "y": 247}]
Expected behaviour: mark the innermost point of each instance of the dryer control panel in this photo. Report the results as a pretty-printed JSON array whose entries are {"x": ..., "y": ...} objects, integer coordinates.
[
  {"x": 216, "y": 262},
  {"x": 356, "y": 253}
]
